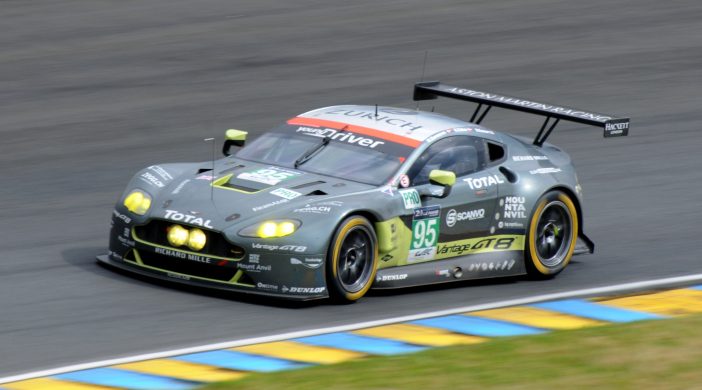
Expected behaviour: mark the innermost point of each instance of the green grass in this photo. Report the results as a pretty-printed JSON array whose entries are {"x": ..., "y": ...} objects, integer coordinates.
[{"x": 664, "y": 354}]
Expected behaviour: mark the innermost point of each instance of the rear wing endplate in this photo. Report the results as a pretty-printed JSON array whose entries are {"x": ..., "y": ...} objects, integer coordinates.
[{"x": 613, "y": 126}]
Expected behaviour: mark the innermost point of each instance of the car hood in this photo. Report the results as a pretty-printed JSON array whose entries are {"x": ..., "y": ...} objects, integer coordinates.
[{"x": 242, "y": 190}]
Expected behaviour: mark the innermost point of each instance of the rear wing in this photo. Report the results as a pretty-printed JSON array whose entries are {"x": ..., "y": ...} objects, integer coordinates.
[{"x": 613, "y": 126}]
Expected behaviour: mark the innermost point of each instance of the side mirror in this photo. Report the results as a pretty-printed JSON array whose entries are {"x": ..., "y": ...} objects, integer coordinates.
[
  {"x": 233, "y": 137},
  {"x": 439, "y": 178}
]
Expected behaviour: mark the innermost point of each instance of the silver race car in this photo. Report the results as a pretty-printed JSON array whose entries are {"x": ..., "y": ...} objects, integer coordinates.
[{"x": 344, "y": 198}]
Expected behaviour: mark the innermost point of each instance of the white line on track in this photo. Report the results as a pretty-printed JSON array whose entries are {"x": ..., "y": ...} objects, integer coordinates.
[{"x": 617, "y": 288}]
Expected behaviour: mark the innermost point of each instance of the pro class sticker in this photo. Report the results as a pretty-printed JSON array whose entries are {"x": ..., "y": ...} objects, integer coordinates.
[{"x": 411, "y": 198}]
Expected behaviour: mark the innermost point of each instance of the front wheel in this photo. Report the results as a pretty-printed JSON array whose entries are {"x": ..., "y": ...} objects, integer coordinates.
[
  {"x": 352, "y": 260},
  {"x": 552, "y": 235}
]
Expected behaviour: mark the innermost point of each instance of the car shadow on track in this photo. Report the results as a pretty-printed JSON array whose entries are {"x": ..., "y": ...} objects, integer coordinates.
[{"x": 84, "y": 258}]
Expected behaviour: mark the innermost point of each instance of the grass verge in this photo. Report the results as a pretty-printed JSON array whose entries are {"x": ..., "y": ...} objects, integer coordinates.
[{"x": 664, "y": 354}]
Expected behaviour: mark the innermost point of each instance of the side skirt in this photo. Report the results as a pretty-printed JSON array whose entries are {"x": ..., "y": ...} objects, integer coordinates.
[{"x": 469, "y": 267}]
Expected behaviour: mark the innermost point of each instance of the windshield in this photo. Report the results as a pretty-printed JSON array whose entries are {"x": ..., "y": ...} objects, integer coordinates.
[{"x": 347, "y": 156}]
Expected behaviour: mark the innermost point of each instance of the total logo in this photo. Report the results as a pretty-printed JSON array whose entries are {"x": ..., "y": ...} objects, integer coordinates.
[
  {"x": 191, "y": 219},
  {"x": 483, "y": 182},
  {"x": 454, "y": 216}
]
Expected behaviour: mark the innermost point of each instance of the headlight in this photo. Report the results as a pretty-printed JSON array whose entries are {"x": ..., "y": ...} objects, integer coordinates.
[
  {"x": 268, "y": 229},
  {"x": 138, "y": 202},
  {"x": 194, "y": 238}
]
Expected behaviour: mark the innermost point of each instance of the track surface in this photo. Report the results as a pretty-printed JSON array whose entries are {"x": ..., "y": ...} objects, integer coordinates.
[{"x": 92, "y": 91}]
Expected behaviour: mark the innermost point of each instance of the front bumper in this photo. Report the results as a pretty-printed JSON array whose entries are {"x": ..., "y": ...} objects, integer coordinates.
[{"x": 260, "y": 269}]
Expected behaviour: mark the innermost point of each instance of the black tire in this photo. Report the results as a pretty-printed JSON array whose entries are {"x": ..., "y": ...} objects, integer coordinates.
[
  {"x": 352, "y": 260},
  {"x": 552, "y": 235}
]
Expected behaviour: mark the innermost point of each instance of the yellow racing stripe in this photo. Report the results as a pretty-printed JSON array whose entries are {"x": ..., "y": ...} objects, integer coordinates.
[
  {"x": 50, "y": 384},
  {"x": 419, "y": 335},
  {"x": 182, "y": 370},
  {"x": 291, "y": 350},
  {"x": 671, "y": 303},
  {"x": 536, "y": 317}
]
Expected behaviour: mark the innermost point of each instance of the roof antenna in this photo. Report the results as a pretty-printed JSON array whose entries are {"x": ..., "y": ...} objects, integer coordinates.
[
  {"x": 212, "y": 174},
  {"x": 424, "y": 68},
  {"x": 376, "y": 112}
]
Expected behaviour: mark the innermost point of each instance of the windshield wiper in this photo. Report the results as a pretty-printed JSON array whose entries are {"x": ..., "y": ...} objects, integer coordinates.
[{"x": 311, "y": 151}]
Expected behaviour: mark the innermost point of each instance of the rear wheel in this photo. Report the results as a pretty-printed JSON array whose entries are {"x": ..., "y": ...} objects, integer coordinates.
[
  {"x": 352, "y": 260},
  {"x": 552, "y": 235}
]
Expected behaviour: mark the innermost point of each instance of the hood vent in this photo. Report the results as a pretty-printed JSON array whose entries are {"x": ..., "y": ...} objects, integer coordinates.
[
  {"x": 231, "y": 169},
  {"x": 313, "y": 183}
]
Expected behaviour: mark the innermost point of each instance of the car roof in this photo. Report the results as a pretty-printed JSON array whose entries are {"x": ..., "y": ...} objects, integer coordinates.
[{"x": 397, "y": 122}]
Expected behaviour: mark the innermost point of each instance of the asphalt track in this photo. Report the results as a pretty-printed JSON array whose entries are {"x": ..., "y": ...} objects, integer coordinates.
[{"x": 92, "y": 91}]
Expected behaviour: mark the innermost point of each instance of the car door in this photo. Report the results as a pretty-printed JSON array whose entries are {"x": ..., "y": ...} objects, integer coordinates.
[{"x": 444, "y": 227}]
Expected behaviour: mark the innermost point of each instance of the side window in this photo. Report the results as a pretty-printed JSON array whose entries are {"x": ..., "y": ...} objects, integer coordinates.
[{"x": 461, "y": 155}]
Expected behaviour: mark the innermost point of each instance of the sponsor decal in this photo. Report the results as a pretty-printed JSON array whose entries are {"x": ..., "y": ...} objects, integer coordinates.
[
  {"x": 265, "y": 286},
  {"x": 411, "y": 198},
  {"x": 289, "y": 248},
  {"x": 527, "y": 103},
  {"x": 174, "y": 215},
  {"x": 513, "y": 225},
  {"x": 285, "y": 193},
  {"x": 314, "y": 210},
  {"x": 504, "y": 242},
  {"x": 233, "y": 217},
  {"x": 389, "y": 278},
  {"x": 386, "y": 258},
  {"x": 529, "y": 158},
  {"x": 114, "y": 255},
  {"x": 161, "y": 172},
  {"x": 303, "y": 290},
  {"x": 177, "y": 276},
  {"x": 183, "y": 255},
  {"x": 123, "y": 217},
  {"x": 308, "y": 262},
  {"x": 470, "y": 215},
  {"x": 404, "y": 181},
  {"x": 267, "y": 205},
  {"x": 207, "y": 177},
  {"x": 425, "y": 233},
  {"x": 492, "y": 266},
  {"x": 254, "y": 267},
  {"x": 341, "y": 136},
  {"x": 180, "y": 186},
  {"x": 371, "y": 117},
  {"x": 126, "y": 242},
  {"x": 151, "y": 179},
  {"x": 616, "y": 128},
  {"x": 126, "y": 232},
  {"x": 514, "y": 207},
  {"x": 483, "y": 182},
  {"x": 254, "y": 258},
  {"x": 270, "y": 175},
  {"x": 542, "y": 171},
  {"x": 484, "y": 131}
]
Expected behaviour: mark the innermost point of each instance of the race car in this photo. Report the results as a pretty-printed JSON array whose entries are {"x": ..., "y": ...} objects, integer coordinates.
[{"x": 344, "y": 198}]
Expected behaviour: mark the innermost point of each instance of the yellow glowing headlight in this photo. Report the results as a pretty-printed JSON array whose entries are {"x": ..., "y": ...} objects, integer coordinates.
[
  {"x": 197, "y": 239},
  {"x": 269, "y": 229},
  {"x": 178, "y": 235},
  {"x": 138, "y": 202}
]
